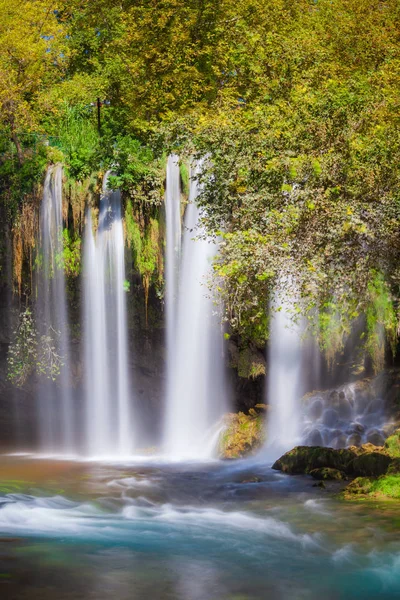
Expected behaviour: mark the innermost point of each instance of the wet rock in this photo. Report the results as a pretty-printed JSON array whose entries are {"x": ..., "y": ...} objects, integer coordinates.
[
  {"x": 316, "y": 409},
  {"x": 320, "y": 484},
  {"x": 330, "y": 417},
  {"x": 355, "y": 428},
  {"x": 368, "y": 460},
  {"x": 254, "y": 479},
  {"x": 340, "y": 441},
  {"x": 326, "y": 473},
  {"x": 375, "y": 437},
  {"x": 333, "y": 397},
  {"x": 370, "y": 464},
  {"x": 386, "y": 486},
  {"x": 392, "y": 444},
  {"x": 394, "y": 466},
  {"x": 314, "y": 438},
  {"x": 388, "y": 429},
  {"x": 344, "y": 409},
  {"x": 329, "y": 435},
  {"x": 304, "y": 459},
  {"x": 243, "y": 435},
  {"x": 375, "y": 406},
  {"x": 354, "y": 439},
  {"x": 359, "y": 486}
]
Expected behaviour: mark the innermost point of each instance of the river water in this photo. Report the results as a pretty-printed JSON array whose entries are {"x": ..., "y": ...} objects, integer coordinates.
[{"x": 187, "y": 531}]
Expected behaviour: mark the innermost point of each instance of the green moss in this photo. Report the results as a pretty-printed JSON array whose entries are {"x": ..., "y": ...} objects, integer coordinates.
[
  {"x": 133, "y": 236},
  {"x": 387, "y": 486},
  {"x": 185, "y": 176},
  {"x": 333, "y": 329},
  {"x": 250, "y": 364},
  {"x": 71, "y": 254},
  {"x": 381, "y": 321},
  {"x": 326, "y": 473},
  {"x": 392, "y": 444},
  {"x": 368, "y": 460},
  {"x": 243, "y": 435},
  {"x": 148, "y": 258}
]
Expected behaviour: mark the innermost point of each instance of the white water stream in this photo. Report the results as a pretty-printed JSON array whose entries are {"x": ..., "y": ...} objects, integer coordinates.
[
  {"x": 284, "y": 384},
  {"x": 196, "y": 390},
  {"x": 108, "y": 397},
  {"x": 56, "y": 423}
]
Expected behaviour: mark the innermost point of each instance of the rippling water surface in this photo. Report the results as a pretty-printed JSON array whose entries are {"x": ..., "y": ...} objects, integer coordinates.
[{"x": 217, "y": 531}]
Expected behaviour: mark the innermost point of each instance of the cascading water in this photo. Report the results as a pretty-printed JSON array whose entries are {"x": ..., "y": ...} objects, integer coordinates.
[
  {"x": 108, "y": 413},
  {"x": 196, "y": 392},
  {"x": 56, "y": 425},
  {"x": 284, "y": 384},
  {"x": 173, "y": 249}
]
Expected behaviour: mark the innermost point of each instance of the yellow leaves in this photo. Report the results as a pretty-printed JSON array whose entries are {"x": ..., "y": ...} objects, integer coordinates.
[{"x": 311, "y": 267}]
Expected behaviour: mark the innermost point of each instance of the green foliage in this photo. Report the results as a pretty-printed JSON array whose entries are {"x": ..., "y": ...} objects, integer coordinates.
[
  {"x": 333, "y": 328},
  {"x": 184, "y": 171},
  {"x": 137, "y": 172},
  {"x": 71, "y": 253},
  {"x": 145, "y": 245},
  {"x": 392, "y": 444},
  {"x": 250, "y": 364},
  {"x": 18, "y": 180},
  {"x": 387, "y": 486},
  {"x": 31, "y": 352},
  {"x": 295, "y": 104},
  {"x": 381, "y": 320},
  {"x": 133, "y": 236},
  {"x": 243, "y": 435},
  {"x": 22, "y": 351},
  {"x": 78, "y": 139}
]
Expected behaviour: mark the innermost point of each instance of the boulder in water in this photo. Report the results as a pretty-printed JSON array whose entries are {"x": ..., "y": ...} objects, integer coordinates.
[
  {"x": 368, "y": 460},
  {"x": 244, "y": 434},
  {"x": 326, "y": 473},
  {"x": 304, "y": 459}
]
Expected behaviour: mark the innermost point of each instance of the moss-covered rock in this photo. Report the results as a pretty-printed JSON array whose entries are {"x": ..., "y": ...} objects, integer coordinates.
[
  {"x": 367, "y": 460},
  {"x": 370, "y": 463},
  {"x": 326, "y": 473},
  {"x": 304, "y": 459},
  {"x": 248, "y": 360},
  {"x": 244, "y": 434},
  {"x": 387, "y": 486},
  {"x": 392, "y": 444}
]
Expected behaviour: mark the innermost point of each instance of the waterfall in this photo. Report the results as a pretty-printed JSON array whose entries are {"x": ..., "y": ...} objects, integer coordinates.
[
  {"x": 284, "y": 381},
  {"x": 173, "y": 248},
  {"x": 108, "y": 413},
  {"x": 195, "y": 382},
  {"x": 56, "y": 426}
]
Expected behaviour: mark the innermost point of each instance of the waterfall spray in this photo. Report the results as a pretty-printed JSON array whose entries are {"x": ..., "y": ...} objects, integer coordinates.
[
  {"x": 108, "y": 411},
  {"x": 284, "y": 384},
  {"x": 55, "y": 434},
  {"x": 196, "y": 391},
  {"x": 173, "y": 251}
]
